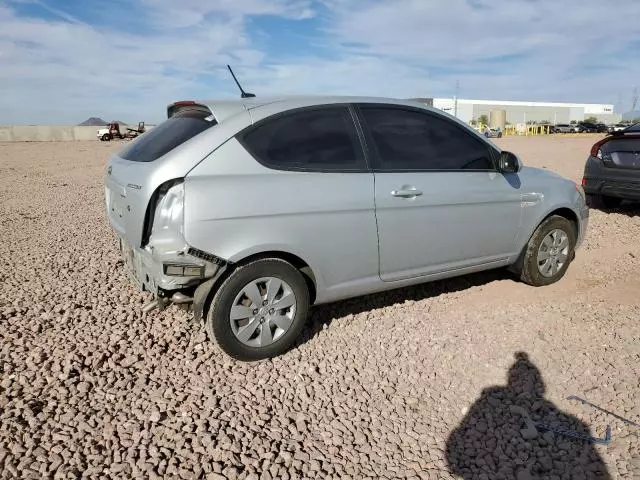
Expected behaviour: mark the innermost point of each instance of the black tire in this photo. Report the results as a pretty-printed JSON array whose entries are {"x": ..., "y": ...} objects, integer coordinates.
[
  {"x": 106, "y": 137},
  {"x": 598, "y": 201},
  {"x": 528, "y": 270},
  {"x": 217, "y": 322}
]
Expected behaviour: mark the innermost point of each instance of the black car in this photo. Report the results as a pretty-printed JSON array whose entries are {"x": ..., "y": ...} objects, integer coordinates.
[
  {"x": 612, "y": 171},
  {"x": 588, "y": 127}
]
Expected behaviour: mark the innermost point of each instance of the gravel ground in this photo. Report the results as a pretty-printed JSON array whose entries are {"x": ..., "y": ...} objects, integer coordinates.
[{"x": 430, "y": 382}]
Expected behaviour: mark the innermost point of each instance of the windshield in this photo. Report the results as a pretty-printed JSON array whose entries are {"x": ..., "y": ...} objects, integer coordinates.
[
  {"x": 171, "y": 133},
  {"x": 633, "y": 128}
]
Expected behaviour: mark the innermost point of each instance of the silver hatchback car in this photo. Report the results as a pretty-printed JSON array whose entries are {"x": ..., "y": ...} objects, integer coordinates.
[{"x": 251, "y": 211}]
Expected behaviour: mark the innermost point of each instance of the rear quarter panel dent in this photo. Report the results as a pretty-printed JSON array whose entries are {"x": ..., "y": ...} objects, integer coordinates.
[{"x": 235, "y": 208}]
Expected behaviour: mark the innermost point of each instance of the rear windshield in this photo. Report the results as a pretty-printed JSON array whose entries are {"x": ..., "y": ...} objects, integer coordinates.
[
  {"x": 633, "y": 128},
  {"x": 182, "y": 126}
]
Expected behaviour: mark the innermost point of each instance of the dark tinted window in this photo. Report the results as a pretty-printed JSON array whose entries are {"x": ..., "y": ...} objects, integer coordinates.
[
  {"x": 412, "y": 140},
  {"x": 168, "y": 135},
  {"x": 633, "y": 128},
  {"x": 315, "y": 139}
]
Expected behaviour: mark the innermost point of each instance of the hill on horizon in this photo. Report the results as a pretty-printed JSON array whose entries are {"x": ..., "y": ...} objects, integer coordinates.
[
  {"x": 93, "y": 122},
  {"x": 97, "y": 122}
]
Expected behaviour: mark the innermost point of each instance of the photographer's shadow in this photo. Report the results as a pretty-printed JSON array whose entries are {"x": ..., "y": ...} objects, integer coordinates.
[{"x": 493, "y": 441}]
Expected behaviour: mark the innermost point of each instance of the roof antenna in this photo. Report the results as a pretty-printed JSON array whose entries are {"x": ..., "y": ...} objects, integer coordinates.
[{"x": 243, "y": 94}]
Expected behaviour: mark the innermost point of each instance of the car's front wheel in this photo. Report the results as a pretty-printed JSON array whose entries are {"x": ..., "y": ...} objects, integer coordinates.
[
  {"x": 259, "y": 310},
  {"x": 549, "y": 252}
]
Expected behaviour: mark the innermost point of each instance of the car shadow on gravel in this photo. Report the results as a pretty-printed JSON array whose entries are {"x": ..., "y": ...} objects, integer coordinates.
[
  {"x": 630, "y": 209},
  {"x": 322, "y": 315},
  {"x": 497, "y": 439}
]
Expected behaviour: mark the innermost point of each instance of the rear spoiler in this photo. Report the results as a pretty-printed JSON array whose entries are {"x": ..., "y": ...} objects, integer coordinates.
[{"x": 175, "y": 107}]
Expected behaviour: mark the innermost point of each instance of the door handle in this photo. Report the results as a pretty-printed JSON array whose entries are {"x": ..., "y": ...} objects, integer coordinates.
[{"x": 406, "y": 193}]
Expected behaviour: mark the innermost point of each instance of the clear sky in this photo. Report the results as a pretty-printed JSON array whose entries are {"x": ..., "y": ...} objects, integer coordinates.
[{"x": 62, "y": 61}]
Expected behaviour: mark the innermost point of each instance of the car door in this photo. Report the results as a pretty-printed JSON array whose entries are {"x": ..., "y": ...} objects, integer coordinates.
[{"x": 441, "y": 205}]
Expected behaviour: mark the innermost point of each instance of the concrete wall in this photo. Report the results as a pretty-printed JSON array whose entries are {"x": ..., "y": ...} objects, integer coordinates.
[{"x": 48, "y": 133}]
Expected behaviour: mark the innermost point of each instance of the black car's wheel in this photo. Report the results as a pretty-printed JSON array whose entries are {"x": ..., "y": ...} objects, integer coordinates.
[
  {"x": 602, "y": 201},
  {"x": 259, "y": 310},
  {"x": 549, "y": 252}
]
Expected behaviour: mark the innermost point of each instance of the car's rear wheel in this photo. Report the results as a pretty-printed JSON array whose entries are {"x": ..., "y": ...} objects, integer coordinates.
[
  {"x": 259, "y": 310},
  {"x": 549, "y": 252},
  {"x": 602, "y": 201}
]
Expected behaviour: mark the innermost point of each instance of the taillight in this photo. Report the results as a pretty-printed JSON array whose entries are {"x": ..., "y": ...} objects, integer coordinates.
[
  {"x": 595, "y": 150},
  {"x": 152, "y": 208},
  {"x": 584, "y": 181}
]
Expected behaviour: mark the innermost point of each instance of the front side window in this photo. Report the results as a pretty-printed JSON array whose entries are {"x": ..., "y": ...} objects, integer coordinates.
[
  {"x": 413, "y": 140},
  {"x": 322, "y": 139}
]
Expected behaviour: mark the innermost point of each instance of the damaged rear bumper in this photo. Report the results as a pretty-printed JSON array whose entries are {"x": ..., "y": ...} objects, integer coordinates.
[{"x": 148, "y": 270}]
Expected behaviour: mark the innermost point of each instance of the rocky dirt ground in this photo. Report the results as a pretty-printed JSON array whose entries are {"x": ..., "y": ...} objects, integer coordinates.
[{"x": 430, "y": 382}]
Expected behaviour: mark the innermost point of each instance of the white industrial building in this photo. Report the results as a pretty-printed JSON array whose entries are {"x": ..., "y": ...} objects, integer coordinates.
[{"x": 526, "y": 112}]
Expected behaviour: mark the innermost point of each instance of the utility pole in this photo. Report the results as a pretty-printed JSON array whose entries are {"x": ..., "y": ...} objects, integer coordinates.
[
  {"x": 634, "y": 99},
  {"x": 455, "y": 100}
]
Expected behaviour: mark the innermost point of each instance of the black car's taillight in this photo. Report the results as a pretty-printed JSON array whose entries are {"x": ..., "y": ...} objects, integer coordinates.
[{"x": 595, "y": 150}]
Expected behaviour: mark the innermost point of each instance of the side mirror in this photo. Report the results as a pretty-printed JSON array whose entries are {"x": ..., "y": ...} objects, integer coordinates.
[{"x": 509, "y": 163}]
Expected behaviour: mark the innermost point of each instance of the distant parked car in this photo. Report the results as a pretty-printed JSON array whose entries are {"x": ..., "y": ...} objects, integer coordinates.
[
  {"x": 254, "y": 210},
  {"x": 576, "y": 128},
  {"x": 588, "y": 127},
  {"x": 492, "y": 132},
  {"x": 617, "y": 127},
  {"x": 612, "y": 171},
  {"x": 563, "y": 128}
]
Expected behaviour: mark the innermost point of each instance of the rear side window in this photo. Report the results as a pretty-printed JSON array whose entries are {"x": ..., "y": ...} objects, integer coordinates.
[
  {"x": 318, "y": 139},
  {"x": 168, "y": 135},
  {"x": 412, "y": 140}
]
